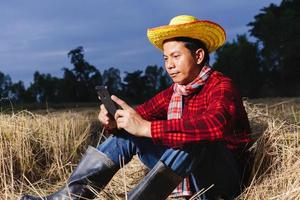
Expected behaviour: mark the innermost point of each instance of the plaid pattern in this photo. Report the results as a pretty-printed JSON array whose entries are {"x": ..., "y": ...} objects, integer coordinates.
[
  {"x": 215, "y": 113},
  {"x": 175, "y": 112},
  {"x": 176, "y": 103},
  {"x": 183, "y": 189}
]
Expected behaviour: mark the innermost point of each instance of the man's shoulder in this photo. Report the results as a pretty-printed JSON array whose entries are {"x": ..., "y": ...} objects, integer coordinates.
[
  {"x": 218, "y": 78},
  {"x": 222, "y": 84}
]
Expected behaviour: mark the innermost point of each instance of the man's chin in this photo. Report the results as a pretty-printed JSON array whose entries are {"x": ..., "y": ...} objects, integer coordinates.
[{"x": 180, "y": 82}]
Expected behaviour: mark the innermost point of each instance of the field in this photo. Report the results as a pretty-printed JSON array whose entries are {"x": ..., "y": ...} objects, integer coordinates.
[{"x": 39, "y": 150}]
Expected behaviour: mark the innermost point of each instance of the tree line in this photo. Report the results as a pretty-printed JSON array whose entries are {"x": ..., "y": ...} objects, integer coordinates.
[
  {"x": 267, "y": 67},
  {"x": 270, "y": 66},
  {"x": 78, "y": 84}
]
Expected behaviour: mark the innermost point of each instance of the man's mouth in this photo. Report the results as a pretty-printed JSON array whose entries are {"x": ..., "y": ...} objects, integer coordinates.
[{"x": 174, "y": 74}]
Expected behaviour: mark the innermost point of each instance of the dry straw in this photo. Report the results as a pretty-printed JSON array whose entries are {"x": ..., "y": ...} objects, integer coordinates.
[
  {"x": 38, "y": 152},
  {"x": 276, "y": 153}
]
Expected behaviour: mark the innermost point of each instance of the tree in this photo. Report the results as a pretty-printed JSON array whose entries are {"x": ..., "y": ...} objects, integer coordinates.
[
  {"x": 156, "y": 80},
  {"x": 165, "y": 80},
  {"x": 84, "y": 76},
  {"x": 277, "y": 29},
  {"x": 19, "y": 94},
  {"x": 134, "y": 87},
  {"x": 5, "y": 84},
  {"x": 112, "y": 79},
  {"x": 240, "y": 61},
  {"x": 69, "y": 86},
  {"x": 46, "y": 88}
]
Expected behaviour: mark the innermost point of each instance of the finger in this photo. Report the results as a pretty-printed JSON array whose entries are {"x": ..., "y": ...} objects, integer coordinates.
[
  {"x": 103, "y": 116},
  {"x": 103, "y": 119},
  {"x": 120, "y": 114},
  {"x": 102, "y": 107},
  {"x": 121, "y": 122},
  {"x": 121, "y": 103}
]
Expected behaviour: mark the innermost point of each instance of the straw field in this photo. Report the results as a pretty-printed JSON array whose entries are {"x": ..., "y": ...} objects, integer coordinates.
[{"x": 39, "y": 151}]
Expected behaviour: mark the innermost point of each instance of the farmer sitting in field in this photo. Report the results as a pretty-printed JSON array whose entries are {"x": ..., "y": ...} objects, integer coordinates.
[{"x": 191, "y": 135}]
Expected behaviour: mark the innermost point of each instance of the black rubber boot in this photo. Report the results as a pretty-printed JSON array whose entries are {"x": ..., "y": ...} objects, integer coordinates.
[
  {"x": 94, "y": 170},
  {"x": 156, "y": 185}
]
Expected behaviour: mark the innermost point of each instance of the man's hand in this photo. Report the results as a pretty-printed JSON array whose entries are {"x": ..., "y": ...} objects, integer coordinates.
[
  {"x": 130, "y": 120},
  {"x": 106, "y": 119}
]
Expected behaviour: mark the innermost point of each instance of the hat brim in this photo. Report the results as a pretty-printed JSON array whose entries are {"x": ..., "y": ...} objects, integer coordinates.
[{"x": 210, "y": 33}]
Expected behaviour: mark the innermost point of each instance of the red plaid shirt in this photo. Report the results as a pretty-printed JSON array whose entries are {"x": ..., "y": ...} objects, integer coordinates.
[{"x": 215, "y": 113}]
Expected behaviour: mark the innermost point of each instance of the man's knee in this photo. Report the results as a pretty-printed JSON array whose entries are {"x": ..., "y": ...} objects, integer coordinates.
[
  {"x": 117, "y": 147},
  {"x": 184, "y": 161}
]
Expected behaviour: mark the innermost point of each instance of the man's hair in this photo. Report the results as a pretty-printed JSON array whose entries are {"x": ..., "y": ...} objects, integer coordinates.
[{"x": 193, "y": 45}]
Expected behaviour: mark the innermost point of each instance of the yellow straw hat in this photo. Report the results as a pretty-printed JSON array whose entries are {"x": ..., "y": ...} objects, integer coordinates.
[{"x": 210, "y": 33}]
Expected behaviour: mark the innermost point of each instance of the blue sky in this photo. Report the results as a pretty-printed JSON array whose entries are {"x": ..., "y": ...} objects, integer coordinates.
[{"x": 37, "y": 35}]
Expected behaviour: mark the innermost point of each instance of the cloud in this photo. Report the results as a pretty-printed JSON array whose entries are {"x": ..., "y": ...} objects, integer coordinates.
[{"x": 37, "y": 35}]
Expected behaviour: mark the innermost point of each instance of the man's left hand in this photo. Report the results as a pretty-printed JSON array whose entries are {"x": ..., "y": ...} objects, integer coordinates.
[{"x": 130, "y": 120}]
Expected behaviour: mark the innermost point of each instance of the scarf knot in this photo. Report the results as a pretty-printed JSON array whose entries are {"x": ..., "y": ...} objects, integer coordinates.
[{"x": 175, "y": 105}]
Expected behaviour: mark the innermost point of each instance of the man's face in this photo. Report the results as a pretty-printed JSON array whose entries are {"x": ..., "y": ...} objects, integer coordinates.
[{"x": 180, "y": 63}]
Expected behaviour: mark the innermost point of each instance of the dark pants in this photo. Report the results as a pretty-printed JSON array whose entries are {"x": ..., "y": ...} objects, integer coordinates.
[{"x": 206, "y": 163}]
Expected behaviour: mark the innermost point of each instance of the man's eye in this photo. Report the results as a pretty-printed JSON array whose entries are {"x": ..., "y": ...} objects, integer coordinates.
[{"x": 176, "y": 56}]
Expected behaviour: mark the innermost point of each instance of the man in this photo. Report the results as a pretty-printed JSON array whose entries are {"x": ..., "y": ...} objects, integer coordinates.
[{"x": 191, "y": 135}]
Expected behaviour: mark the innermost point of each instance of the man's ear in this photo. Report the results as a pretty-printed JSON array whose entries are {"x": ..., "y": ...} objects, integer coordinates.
[{"x": 200, "y": 53}]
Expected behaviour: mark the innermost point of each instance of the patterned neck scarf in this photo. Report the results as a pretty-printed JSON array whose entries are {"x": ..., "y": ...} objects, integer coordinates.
[
  {"x": 175, "y": 112},
  {"x": 176, "y": 103}
]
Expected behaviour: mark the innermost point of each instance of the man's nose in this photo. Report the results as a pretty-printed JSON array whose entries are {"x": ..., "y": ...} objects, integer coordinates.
[{"x": 170, "y": 64}]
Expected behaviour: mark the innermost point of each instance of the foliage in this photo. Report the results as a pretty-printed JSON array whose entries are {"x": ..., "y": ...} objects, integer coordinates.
[
  {"x": 19, "y": 94},
  {"x": 139, "y": 86},
  {"x": 134, "y": 82},
  {"x": 84, "y": 76},
  {"x": 156, "y": 79},
  {"x": 78, "y": 83},
  {"x": 112, "y": 79},
  {"x": 5, "y": 84},
  {"x": 277, "y": 29},
  {"x": 45, "y": 87},
  {"x": 240, "y": 61}
]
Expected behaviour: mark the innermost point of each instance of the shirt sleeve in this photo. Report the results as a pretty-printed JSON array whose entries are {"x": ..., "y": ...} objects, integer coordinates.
[
  {"x": 157, "y": 107},
  {"x": 209, "y": 125}
]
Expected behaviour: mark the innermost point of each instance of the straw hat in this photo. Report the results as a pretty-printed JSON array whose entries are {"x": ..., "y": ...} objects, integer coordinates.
[{"x": 210, "y": 33}]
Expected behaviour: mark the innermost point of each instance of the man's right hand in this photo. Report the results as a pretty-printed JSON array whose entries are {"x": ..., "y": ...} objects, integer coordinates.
[{"x": 106, "y": 119}]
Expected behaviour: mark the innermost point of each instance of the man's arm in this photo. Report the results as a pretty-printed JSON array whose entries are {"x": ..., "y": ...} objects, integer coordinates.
[
  {"x": 137, "y": 122},
  {"x": 153, "y": 109},
  {"x": 211, "y": 125}
]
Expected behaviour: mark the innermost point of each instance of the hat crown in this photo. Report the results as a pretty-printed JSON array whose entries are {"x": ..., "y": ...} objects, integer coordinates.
[
  {"x": 210, "y": 33},
  {"x": 182, "y": 19}
]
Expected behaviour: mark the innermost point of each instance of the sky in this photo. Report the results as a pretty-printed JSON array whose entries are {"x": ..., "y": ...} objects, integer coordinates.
[{"x": 37, "y": 35}]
